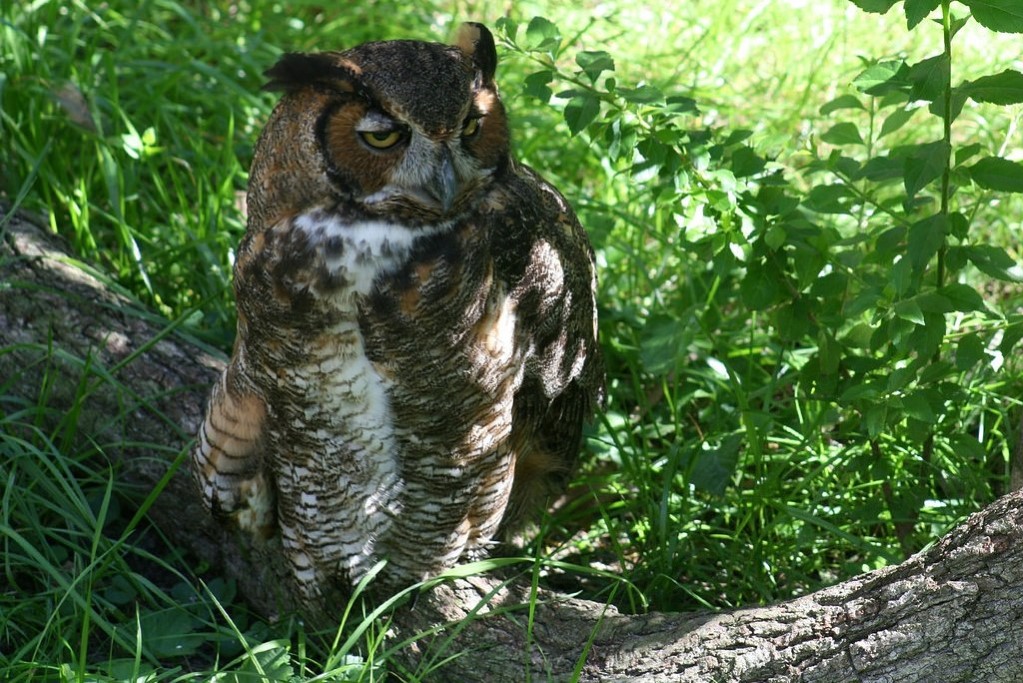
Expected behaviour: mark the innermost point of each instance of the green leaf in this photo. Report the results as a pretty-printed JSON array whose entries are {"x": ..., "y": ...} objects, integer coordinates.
[
  {"x": 713, "y": 467},
  {"x": 963, "y": 297},
  {"x": 541, "y": 34},
  {"x": 644, "y": 94},
  {"x": 792, "y": 320},
  {"x": 883, "y": 77},
  {"x": 924, "y": 165},
  {"x": 663, "y": 340},
  {"x": 844, "y": 133},
  {"x": 1004, "y": 16},
  {"x": 758, "y": 289},
  {"x": 1013, "y": 333},
  {"x": 171, "y": 632},
  {"x": 937, "y": 105},
  {"x": 969, "y": 351},
  {"x": 958, "y": 225},
  {"x": 508, "y": 26},
  {"x": 680, "y": 104},
  {"x": 925, "y": 239},
  {"x": 858, "y": 392},
  {"x": 875, "y": 418},
  {"x": 537, "y": 85},
  {"x": 996, "y": 173},
  {"x": 895, "y": 121},
  {"x": 901, "y": 275},
  {"x": 1002, "y": 88},
  {"x": 917, "y": 11},
  {"x": 593, "y": 63},
  {"x": 829, "y": 353},
  {"x": 746, "y": 162},
  {"x": 883, "y": 168},
  {"x": 924, "y": 340},
  {"x": 829, "y": 199},
  {"x": 966, "y": 447},
  {"x": 842, "y": 102},
  {"x": 910, "y": 310},
  {"x": 917, "y": 406},
  {"x": 830, "y": 286},
  {"x": 875, "y": 6},
  {"x": 621, "y": 140},
  {"x": 580, "y": 112},
  {"x": 933, "y": 302},
  {"x": 994, "y": 261},
  {"x": 967, "y": 152},
  {"x": 930, "y": 78},
  {"x": 737, "y": 136}
]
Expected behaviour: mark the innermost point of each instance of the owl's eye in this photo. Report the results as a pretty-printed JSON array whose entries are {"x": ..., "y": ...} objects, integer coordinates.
[
  {"x": 471, "y": 127},
  {"x": 381, "y": 139}
]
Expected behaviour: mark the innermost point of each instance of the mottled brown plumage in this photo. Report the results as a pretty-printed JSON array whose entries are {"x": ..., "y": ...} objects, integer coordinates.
[{"x": 417, "y": 347}]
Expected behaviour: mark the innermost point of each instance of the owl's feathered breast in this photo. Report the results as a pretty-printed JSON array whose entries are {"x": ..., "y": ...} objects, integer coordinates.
[
  {"x": 421, "y": 367},
  {"x": 416, "y": 347},
  {"x": 489, "y": 330}
]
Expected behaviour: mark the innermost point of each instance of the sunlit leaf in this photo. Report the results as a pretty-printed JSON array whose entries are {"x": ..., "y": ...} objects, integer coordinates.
[
  {"x": 996, "y": 173},
  {"x": 883, "y": 77},
  {"x": 844, "y": 133},
  {"x": 910, "y": 310},
  {"x": 930, "y": 78},
  {"x": 1005, "y": 16},
  {"x": 538, "y": 85},
  {"x": 875, "y": 6},
  {"x": 593, "y": 63},
  {"x": 917, "y": 11},
  {"x": 1002, "y": 88},
  {"x": 835, "y": 198},
  {"x": 746, "y": 162},
  {"x": 644, "y": 94},
  {"x": 842, "y": 102},
  {"x": 580, "y": 112},
  {"x": 541, "y": 34},
  {"x": 896, "y": 120}
]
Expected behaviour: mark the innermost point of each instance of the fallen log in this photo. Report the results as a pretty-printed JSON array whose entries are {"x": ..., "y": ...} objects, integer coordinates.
[{"x": 950, "y": 613}]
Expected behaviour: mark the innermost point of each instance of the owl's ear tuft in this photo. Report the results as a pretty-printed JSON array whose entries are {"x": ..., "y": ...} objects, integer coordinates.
[
  {"x": 299, "y": 69},
  {"x": 476, "y": 41}
]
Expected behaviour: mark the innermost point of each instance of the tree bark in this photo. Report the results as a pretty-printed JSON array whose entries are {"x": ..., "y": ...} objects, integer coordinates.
[{"x": 951, "y": 613}]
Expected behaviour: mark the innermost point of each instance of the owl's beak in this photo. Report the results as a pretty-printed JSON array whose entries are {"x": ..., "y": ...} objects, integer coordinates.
[{"x": 443, "y": 185}]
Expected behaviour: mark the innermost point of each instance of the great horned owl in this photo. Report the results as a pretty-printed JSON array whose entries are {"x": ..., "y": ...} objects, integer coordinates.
[{"x": 417, "y": 341}]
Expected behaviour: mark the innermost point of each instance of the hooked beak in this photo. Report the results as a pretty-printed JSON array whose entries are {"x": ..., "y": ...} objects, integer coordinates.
[{"x": 443, "y": 185}]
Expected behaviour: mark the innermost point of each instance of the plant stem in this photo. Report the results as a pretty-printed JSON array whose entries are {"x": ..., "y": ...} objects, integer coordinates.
[
  {"x": 946, "y": 175},
  {"x": 927, "y": 450}
]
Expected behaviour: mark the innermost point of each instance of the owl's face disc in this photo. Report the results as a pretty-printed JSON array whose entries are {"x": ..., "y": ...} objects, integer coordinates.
[{"x": 401, "y": 130}]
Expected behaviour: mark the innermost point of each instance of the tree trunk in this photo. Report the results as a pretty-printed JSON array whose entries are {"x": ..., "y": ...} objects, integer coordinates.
[{"x": 950, "y": 613}]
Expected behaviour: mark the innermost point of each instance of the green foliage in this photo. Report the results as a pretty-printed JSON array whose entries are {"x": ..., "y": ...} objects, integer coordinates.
[
  {"x": 812, "y": 376},
  {"x": 809, "y": 298}
]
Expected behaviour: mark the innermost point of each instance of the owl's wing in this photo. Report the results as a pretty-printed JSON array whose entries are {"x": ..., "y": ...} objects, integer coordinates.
[
  {"x": 227, "y": 456},
  {"x": 563, "y": 377}
]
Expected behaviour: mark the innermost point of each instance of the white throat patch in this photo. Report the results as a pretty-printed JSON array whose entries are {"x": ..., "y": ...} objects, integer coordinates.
[{"x": 361, "y": 251}]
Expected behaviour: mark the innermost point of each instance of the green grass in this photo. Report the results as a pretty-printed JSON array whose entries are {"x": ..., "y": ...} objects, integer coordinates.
[{"x": 769, "y": 430}]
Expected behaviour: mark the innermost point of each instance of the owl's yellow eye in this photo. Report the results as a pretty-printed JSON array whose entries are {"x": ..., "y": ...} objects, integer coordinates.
[
  {"x": 381, "y": 139},
  {"x": 471, "y": 127}
]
